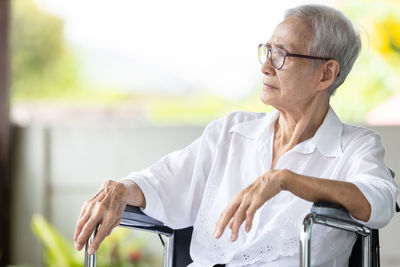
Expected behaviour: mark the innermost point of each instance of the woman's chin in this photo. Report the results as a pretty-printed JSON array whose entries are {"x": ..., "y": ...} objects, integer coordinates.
[{"x": 267, "y": 99}]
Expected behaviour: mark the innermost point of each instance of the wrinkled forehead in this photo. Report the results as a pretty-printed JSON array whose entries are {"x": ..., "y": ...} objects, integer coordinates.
[{"x": 293, "y": 35}]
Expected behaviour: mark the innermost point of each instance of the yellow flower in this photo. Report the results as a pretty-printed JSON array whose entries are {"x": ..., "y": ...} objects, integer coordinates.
[
  {"x": 380, "y": 38},
  {"x": 392, "y": 25},
  {"x": 385, "y": 37}
]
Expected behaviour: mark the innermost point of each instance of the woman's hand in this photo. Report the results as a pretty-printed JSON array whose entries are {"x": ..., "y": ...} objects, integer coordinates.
[
  {"x": 246, "y": 202},
  {"x": 104, "y": 209}
]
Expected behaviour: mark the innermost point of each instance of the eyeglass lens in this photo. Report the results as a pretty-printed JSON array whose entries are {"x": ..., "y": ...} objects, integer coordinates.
[{"x": 277, "y": 56}]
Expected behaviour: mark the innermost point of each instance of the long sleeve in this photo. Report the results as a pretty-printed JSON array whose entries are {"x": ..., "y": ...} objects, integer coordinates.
[
  {"x": 173, "y": 186},
  {"x": 369, "y": 173}
]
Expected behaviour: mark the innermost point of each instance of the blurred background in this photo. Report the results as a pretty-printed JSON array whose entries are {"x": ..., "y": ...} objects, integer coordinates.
[{"x": 91, "y": 90}]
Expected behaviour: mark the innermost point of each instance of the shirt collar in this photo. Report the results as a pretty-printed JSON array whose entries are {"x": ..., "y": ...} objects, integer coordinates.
[
  {"x": 327, "y": 139},
  {"x": 257, "y": 129}
]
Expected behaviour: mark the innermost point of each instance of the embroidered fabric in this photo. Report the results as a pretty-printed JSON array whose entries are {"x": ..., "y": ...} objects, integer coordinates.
[
  {"x": 274, "y": 235},
  {"x": 275, "y": 232}
]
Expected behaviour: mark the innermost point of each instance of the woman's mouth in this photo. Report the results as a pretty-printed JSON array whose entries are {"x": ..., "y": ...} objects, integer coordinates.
[{"x": 269, "y": 87}]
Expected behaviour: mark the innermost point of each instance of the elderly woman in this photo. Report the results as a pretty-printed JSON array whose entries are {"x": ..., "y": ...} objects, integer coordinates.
[{"x": 259, "y": 173}]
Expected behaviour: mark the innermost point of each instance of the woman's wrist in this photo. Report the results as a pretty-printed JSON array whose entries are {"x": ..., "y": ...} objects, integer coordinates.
[
  {"x": 135, "y": 196},
  {"x": 284, "y": 177}
]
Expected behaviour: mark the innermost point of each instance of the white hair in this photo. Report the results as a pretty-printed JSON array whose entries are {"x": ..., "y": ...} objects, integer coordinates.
[{"x": 333, "y": 36}]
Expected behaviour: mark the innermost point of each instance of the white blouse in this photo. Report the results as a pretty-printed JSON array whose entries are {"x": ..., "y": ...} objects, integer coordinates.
[{"x": 194, "y": 185}]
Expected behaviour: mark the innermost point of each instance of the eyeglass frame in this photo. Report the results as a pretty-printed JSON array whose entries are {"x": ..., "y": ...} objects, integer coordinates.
[{"x": 285, "y": 54}]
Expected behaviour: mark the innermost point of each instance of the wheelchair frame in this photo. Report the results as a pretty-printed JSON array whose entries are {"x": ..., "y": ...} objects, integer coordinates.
[
  {"x": 334, "y": 215},
  {"x": 327, "y": 214}
]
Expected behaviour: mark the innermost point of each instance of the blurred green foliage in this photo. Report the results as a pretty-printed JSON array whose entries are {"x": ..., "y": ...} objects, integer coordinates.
[
  {"x": 42, "y": 66},
  {"x": 200, "y": 108},
  {"x": 120, "y": 249}
]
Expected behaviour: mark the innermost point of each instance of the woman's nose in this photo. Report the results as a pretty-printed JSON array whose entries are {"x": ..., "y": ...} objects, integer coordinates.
[{"x": 267, "y": 68}]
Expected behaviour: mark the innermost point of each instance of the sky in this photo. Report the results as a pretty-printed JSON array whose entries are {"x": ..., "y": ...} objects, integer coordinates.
[{"x": 173, "y": 46}]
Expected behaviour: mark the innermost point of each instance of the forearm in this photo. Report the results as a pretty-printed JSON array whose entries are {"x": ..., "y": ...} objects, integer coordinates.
[
  {"x": 319, "y": 189},
  {"x": 135, "y": 195}
]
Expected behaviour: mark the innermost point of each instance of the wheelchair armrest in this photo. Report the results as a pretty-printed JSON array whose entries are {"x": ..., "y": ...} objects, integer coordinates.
[
  {"x": 335, "y": 215},
  {"x": 133, "y": 217},
  {"x": 332, "y": 210}
]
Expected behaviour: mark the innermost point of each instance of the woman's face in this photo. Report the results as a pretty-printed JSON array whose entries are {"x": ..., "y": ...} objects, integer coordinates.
[{"x": 295, "y": 85}]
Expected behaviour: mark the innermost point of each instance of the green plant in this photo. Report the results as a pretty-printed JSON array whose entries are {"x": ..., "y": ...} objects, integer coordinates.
[{"x": 120, "y": 249}]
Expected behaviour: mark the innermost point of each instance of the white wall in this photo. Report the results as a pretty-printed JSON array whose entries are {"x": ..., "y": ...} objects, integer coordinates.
[{"x": 57, "y": 168}]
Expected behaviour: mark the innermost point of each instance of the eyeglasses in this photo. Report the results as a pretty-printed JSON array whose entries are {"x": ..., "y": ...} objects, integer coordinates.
[{"x": 278, "y": 56}]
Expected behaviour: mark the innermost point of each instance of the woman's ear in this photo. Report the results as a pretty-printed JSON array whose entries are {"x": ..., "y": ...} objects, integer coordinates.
[{"x": 330, "y": 71}]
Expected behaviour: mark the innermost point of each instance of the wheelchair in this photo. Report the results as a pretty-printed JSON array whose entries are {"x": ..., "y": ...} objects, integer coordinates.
[{"x": 176, "y": 243}]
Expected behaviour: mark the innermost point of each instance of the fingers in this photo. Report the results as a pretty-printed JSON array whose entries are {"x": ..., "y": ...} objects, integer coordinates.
[
  {"x": 238, "y": 219},
  {"x": 117, "y": 222},
  {"x": 242, "y": 208},
  {"x": 224, "y": 219},
  {"x": 86, "y": 211},
  {"x": 107, "y": 224},
  {"x": 234, "y": 215},
  {"x": 104, "y": 230},
  {"x": 249, "y": 218},
  {"x": 234, "y": 219},
  {"x": 105, "y": 208},
  {"x": 80, "y": 224},
  {"x": 244, "y": 212},
  {"x": 86, "y": 232},
  {"x": 230, "y": 224}
]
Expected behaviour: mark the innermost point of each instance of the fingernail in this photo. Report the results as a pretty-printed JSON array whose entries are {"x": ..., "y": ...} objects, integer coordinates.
[
  {"x": 233, "y": 237},
  {"x": 91, "y": 251},
  {"x": 217, "y": 233}
]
